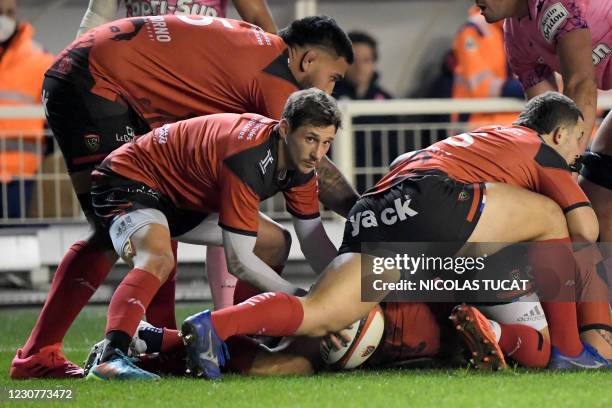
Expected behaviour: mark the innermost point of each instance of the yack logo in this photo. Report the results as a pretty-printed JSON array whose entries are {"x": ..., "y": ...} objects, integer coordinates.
[
  {"x": 552, "y": 19},
  {"x": 367, "y": 219}
]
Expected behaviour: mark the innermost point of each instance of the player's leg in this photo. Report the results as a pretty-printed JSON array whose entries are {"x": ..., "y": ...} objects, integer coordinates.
[
  {"x": 222, "y": 283},
  {"x": 80, "y": 135},
  {"x": 596, "y": 181}
]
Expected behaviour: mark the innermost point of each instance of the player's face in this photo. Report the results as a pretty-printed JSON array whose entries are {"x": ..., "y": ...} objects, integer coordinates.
[
  {"x": 308, "y": 144},
  {"x": 322, "y": 70},
  {"x": 497, "y": 10},
  {"x": 362, "y": 70},
  {"x": 568, "y": 142}
]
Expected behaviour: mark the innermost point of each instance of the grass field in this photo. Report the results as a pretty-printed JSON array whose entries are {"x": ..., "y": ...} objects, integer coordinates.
[{"x": 407, "y": 388}]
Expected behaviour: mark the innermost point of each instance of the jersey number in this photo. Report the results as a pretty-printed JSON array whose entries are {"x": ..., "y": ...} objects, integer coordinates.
[{"x": 204, "y": 21}]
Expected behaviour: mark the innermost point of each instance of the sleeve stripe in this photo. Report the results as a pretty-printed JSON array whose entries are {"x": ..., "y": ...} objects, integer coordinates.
[
  {"x": 577, "y": 205},
  {"x": 238, "y": 231},
  {"x": 303, "y": 216}
]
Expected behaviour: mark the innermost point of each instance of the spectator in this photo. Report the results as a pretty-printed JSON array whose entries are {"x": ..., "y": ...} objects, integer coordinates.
[
  {"x": 22, "y": 66},
  {"x": 481, "y": 69},
  {"x": 361, "y": 80},
  {"x": 361, "y": 83}
]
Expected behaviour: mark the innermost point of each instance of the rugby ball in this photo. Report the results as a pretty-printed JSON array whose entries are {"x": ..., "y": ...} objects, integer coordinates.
[{"x": 365, "y": 336}]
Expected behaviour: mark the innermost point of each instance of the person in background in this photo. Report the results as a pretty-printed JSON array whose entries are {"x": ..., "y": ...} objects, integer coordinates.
[
  {"x": 361, "y": 83},
  {"x": 481, "y": 69},
  {"x": 361, "y": 80},
  {"x": 251, "y": 11},
  {"x": 22, "y": 67}
]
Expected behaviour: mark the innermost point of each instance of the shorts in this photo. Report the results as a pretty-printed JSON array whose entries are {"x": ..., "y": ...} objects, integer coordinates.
[
  {"x": 425, "y": 207},
  {"x": 114, "y": 196},
  {"x": 87, "y": 127},
  {"x": 597, "y": 168},
  {"x": 526, "y": 310}
]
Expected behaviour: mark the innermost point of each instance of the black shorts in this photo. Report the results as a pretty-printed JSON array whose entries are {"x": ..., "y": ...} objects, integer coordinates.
[
  {"x": 86, "y": 126},
  {"x": 113, "y": 195},
  {"x": 428, "y": 207}
]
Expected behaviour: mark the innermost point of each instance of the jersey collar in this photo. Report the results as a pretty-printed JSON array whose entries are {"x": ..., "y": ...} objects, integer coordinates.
[{"x": 280, "y": 68}]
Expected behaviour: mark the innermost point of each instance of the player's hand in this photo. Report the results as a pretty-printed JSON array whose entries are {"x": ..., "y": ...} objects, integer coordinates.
[{"x": 336, "y": 340}]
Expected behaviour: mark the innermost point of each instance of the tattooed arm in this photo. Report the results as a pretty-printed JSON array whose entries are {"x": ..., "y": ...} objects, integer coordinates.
[{"x": 335, "y": 191}]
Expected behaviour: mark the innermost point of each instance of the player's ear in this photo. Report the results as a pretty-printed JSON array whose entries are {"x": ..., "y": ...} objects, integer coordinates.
[
  {"x": 283, "y": 128},
  {"x": 307, "y": 59},
  {"x": 559, "y": 134}
]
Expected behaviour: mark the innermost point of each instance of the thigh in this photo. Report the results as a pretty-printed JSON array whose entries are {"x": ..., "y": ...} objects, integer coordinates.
[
  {"x": 603, "y": 138},
  {"x": 513, "y": 214},
  {"x": 335, "y": 300},
  {"x": 207, "y": 232},
  {"x": 124, "y": 231}
]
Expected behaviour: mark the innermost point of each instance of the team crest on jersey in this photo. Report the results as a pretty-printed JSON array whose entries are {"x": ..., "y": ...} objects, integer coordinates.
[
  {"x": 266, "y": 161},
  {"x": 463, "y": 196},
  {"x": 553, "y": 17},
  {"x": 92, "y": 142}
]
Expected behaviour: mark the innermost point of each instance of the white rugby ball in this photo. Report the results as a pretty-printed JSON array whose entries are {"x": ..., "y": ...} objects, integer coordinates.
[{"x": 365, "y": 336}]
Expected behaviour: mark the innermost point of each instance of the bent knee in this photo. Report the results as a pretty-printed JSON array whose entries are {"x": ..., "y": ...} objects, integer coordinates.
[{"x": 159, "y": 264}]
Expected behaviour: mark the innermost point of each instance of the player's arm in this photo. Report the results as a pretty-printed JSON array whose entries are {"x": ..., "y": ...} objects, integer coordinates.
[
  {"x": 256, "y": 12},
  {"x": 314, "y": 242},
  {"x": 335, "y": 191},
  {"x": 578, "y": 72},
  {"x": 245, "y": 265},
  {"x": 98, "y": 12},
  {"x": 582, "y": 224},
  {"x": 544, "y": 86}
]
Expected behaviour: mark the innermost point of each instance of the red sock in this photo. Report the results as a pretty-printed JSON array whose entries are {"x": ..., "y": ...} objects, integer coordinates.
[
  {"x": 171, "y": 340},
  {"x": 160, "y": 312},
  {"x": 272, "y": 314},
  {"x": 525, "y": 345},
  {"x": 244, "y": 291},
  {"x": 130, "y": 300},
  {"x": 555, "y": 275},
  {"x": 77, "y": 277}
]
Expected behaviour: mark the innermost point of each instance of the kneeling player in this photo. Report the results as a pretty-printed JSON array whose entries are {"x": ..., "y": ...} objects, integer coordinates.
[
  {"x": 181, "y": 180},
  {"x": 518, "y": 162}
]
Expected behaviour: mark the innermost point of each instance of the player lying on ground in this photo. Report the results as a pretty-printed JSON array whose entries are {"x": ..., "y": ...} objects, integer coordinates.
[
  {"x": 524, "y": 172},
  {"x": 574, "y": 39},
  {"x": 414, "y": 335},
  {"x": 201, "y": 181},
  {"x": 96, "y": 102}
]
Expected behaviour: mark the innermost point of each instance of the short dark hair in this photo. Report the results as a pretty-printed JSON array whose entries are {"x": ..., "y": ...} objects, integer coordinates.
[
  {"x": 318, "y": 30},
  {"x": 361, "y": 37},
  {"x": 312, "y": 107},
  {"x": 547, "y": 111}
]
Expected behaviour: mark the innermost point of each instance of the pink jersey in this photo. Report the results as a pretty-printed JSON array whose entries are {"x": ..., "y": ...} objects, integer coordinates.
[
  {"x": 212, "y": 8},
  {"x": 531, "y": 41}
]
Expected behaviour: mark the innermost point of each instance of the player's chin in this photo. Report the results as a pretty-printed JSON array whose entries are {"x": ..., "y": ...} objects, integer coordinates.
[{"x": 306, "y": 167}]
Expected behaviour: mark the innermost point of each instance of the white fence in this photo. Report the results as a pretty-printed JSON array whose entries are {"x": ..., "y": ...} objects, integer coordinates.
[{"x": 374, "y": 133}]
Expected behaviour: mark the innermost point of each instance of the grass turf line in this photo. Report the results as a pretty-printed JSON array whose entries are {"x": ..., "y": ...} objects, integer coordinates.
[{"x": 393, "y": 388}]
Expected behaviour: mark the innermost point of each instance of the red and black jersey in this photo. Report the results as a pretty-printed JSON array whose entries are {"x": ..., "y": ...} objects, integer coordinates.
[
  {"x": 514, "y": 155},
  {"x": 225, "y": 163},
  {"x": 169, "y": 68}
]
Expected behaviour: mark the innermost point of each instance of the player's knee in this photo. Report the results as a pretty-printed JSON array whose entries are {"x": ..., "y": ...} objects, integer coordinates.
[{"x": 160, "y": 265}]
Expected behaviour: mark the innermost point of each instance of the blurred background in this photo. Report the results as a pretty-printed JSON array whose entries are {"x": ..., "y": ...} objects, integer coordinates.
[{"x": 424, "y": 70}]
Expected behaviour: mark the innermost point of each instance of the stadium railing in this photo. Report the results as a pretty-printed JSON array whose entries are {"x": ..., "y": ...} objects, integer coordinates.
[{"x": 373, "y": 134}]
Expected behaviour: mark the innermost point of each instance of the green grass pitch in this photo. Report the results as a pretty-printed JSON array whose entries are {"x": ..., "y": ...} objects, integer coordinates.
[{"x": 407, "y": 388}]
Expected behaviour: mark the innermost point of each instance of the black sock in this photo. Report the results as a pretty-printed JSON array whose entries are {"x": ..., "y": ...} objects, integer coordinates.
[
  {"x": 117, "y": 340},
  {"x": 153, "y": 336}
]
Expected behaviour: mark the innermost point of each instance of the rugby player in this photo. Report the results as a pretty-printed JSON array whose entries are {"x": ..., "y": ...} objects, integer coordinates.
[
  {"x": 221, "y": 282},
  {"x": 102, "y": 11},
  {"x": 201, "y": 181},
  {"x": 124, "y": 78},
  {"x": 528, "y": 183},
  {"x": 574, "y": 39}
]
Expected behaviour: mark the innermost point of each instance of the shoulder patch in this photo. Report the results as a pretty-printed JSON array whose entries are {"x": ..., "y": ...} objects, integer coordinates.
[
  {"x": 548, "y": 157},
  {"x": 552, "y": 18}
]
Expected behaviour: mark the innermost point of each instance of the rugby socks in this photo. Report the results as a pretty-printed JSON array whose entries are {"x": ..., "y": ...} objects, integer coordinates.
[
  {"x": 160, "y": 312},
  {"x": 525, "y": 345},
  {"x": 127, "y": 306},
  {"x": 77, "y": 277},
  {"x": 158, "y": 339},
  {"x": 245, "y": 290},
  {"x": 593, "y": 300},
  {"x": 271, "y": 314},
  {"x": 222, "y": 283},
  {"x": 555, "y": 277}
]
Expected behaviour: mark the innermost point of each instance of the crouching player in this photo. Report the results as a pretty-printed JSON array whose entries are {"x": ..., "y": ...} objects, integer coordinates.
[
  {"x": 181, "y": 180},
  {"x": 511, "y": 165}
]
